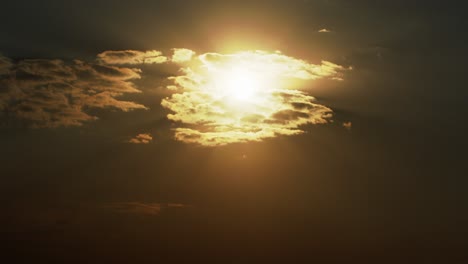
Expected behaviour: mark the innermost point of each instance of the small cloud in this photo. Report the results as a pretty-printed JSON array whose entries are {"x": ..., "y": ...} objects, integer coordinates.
[
  {"x": 182, "y": 55},
  {"x": 348, "y": 125},
  {"x": 113, "y": 57},
  {"x": 141, "y": 139},
  {"x": 324, "y": 30},
  {"x": 146, "y": 209}
]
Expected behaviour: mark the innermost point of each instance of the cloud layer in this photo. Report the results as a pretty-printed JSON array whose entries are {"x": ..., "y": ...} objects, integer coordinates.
[
  {"x": 208, "y": 113},
  {"x": 53, "y": 93},
  {"x": 217, "y": 99}
]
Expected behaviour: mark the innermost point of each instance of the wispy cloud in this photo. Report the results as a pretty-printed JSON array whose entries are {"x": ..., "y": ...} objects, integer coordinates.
[
  {"x": 114, "y": 57},
  {"x": 209, "y": 114},
  {"x": 53, "y": 93},
  {"x": 145, "y": 209},
  {"x": 324, "y": 30},
  {"x": 141, "y": 139}
]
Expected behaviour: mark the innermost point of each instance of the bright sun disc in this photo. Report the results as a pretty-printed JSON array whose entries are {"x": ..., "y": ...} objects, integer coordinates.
[{"x": 241, "y": 84}]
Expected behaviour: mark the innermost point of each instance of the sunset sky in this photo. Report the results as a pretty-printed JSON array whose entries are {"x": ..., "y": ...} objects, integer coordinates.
[{"x": 295, "y": 131}]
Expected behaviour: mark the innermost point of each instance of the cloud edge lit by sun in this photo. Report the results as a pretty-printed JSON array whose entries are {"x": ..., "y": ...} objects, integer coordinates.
[{"x": 209, "y": 109}]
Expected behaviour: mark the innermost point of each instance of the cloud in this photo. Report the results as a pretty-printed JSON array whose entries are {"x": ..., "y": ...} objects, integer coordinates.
[
  {"x": 146, "y": 209},
  {"x": 141, "y": 139},
  {"x": 53, "y": 93},
  {"x": 324, "y": 30},
  {"x": 348, "y": 125},
  {"x": 131, "y": 57},
  {"x": 182, "y": 55},
  {"x": 271, "y": 65},
  {"x": 217, "y": 98},
  {"x": 244, "y": 96}
]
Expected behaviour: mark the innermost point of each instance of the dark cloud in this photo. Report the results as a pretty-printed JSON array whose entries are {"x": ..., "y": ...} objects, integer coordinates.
[
  {"x": 285, "y": 116},
  {"x": 131, "y": 57},
  {"x": 53, "y": 93},
  {"x": 302, "y": 106}
]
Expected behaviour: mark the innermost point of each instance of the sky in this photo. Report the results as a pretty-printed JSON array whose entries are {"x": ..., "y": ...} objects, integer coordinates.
[{"x": 297, "y": 131}]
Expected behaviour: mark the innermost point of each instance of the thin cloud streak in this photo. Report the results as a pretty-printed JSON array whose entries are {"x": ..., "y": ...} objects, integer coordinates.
[{"x": 143, "y": 209}]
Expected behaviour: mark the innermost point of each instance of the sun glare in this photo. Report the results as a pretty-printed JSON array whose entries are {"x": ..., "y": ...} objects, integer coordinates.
[
  {"x": 245, "y": 96},
  {"x": 241, "y": 85},
  {"x": 238, "y": 85}
]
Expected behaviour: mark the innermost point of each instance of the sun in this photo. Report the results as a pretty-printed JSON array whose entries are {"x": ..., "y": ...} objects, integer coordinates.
[
  {"x": 245, "y": 96},
  {"x": 237, "y": 83},
  {"x": 241, "y": 84}
]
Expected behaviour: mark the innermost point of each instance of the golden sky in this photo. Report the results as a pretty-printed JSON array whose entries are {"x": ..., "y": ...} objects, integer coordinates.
[{"x": 230, "y": 131}]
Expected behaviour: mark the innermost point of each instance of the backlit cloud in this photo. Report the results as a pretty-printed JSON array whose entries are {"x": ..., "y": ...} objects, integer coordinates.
[
  {"x": 217, "y": 98},
  {"x": 141, "y": 139},
  {"x": 131, "y": 57},
  {"x": 245, "y": 96},
  {"x": 182, "y": 55},
  {"x": 324, "y": 30},
  {"x": 53, "y": 93}
]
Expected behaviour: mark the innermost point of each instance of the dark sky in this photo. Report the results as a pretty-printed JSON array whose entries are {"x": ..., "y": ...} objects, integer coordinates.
[{"x": 392, "y": 189}]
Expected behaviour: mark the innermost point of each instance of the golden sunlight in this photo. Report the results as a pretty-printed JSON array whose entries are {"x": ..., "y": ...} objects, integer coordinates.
[
  {"x": 240, "y": 84},
  {"x": 245, "y": 96}
]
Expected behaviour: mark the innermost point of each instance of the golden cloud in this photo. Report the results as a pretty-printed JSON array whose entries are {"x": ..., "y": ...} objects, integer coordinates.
[
  {"x": 182, "y": 55},
  {"x": 141, "y": 139},
  {"x": 245, "y": 96}
]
